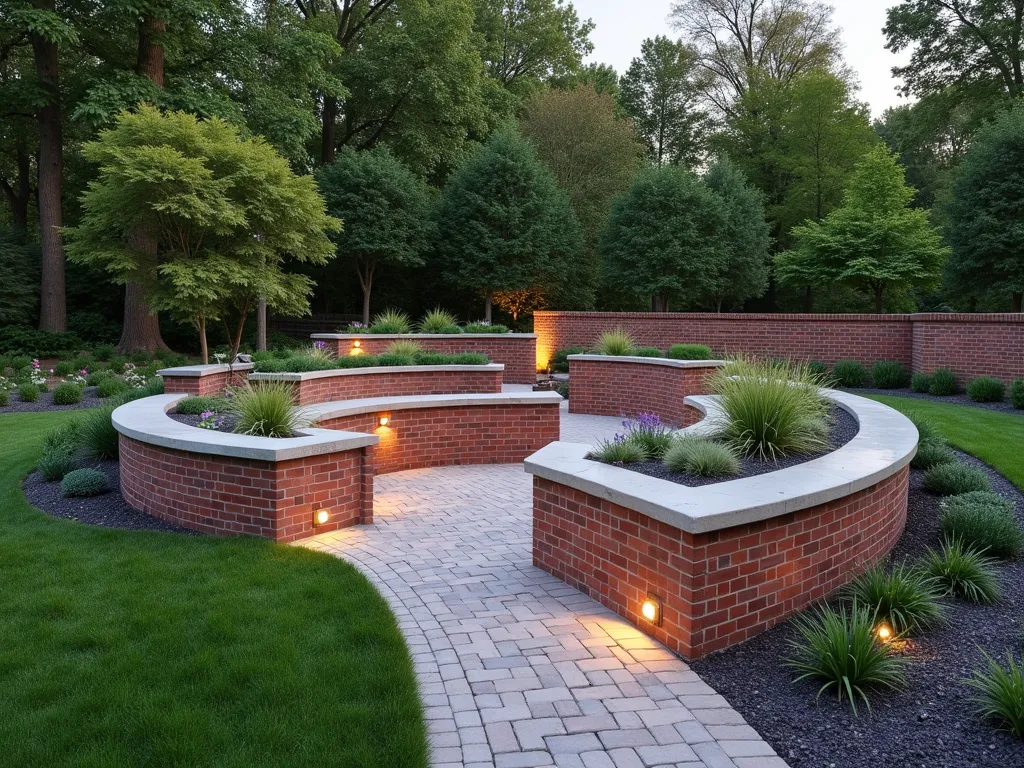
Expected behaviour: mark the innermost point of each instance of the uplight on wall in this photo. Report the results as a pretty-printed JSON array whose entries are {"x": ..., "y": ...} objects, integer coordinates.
[
  {"x": 321, "y": 517},
  {"x": 383, "y": 421},
  {"x": 650, "y": 609},
  {"x": 357, "y": 348}
]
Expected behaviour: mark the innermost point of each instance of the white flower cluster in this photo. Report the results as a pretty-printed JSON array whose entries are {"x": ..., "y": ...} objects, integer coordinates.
[{"x": 132, "y": 377}]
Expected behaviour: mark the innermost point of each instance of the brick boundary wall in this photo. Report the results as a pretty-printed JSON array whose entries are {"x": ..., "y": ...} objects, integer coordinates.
[
  {"x": 396, "y": 381},
  {"x": 230, "y": 496},
  {"x": 211, "y": 384},
  {"x": 434, "y": 437},
  {"x": 971, "y": 344},
  {"x": 721, "y": 588},
  {"x": 612, "y": 388},
  {"x": 518, "y": 352}
]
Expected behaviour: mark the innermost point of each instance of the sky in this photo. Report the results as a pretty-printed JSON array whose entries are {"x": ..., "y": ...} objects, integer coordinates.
[{"x": 623, "y": 24}]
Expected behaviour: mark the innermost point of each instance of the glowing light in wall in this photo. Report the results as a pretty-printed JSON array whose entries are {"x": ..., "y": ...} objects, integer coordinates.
[
  {"x": 321, "y": 516},
  {"x": 651, "y": 610},
  {"x": 383, "y": 421}
]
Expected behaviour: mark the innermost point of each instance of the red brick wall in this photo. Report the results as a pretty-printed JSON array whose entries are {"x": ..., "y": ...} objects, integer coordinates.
[
  {"x": 518, "y": 352},
  {"x": 433, "y": 437},
  {"x": 211, "y": 384},
  {"x": 609, "y": 388},
  {"x": 395, "y": 382},
  {"x": 721, "y": 588},
  {"x": 224, "y": 495},
  {"x": 971, "y": 344}
]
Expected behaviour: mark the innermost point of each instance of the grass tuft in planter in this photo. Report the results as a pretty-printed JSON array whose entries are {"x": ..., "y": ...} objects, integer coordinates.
[
  {"x": 839, "y": 649},
  {"x": 986, "y": 390},
  {"x": 438, "y": 320},
  {"x": 618, "y": 451},
  {"x": 953, "y": 479},
  {"x": 265, "y": 409},
  {"x": 962, "y": 571},
  {"x": 97, "y": 436},
  {"x": 689, "y": 352},
  {"x": 67, "y": 393},
  {"x": 696, "y": 455},
  {"x": 849, "y": 374},
  {"x": 887, "y": 374},
  {"x": 390, "y": 321},
  {"x": 999, "y": 693},
  {"x": 903, "y": 597},
  {"x": 406, "y": 347},
  {"x": 982, "y": 525},
  {"x": 943, "y": 383},
  {"x": 54, "y": 466},
  {"x": 617, "y": 342},
  {"x": 84, "y": 482}
]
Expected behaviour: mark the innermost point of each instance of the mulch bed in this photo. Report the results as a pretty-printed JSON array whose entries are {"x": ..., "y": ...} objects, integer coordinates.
[
  {"x": 1003, "y": 406},
  {"x": 45, "y": 402},
  {"x": 932, "y": 724},
  {"x": 109, "y": 509}
]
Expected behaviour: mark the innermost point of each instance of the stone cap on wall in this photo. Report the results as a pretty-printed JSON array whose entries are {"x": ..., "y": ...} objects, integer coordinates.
[
  {"x": 377, "y": 369},
  {"x": 340, "y": 408},
  {"x": 918, "y": 317},
  {"x": 668, "y": 362},
  {"x": 885, "y": 443},
  {"x": 204, "y": 370},
  {"x": 146, "y": 420},
  {"x": 423, "y": 336}
]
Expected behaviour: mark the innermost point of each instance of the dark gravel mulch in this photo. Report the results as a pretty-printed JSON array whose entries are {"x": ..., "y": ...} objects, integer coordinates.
[
  {"x": 225, "y": 421},
  {"x": 109, "y": 509},
  {"x": 933, "y": 723},
  {"x": 844, "y": 428},
  {"x": 45, "y": 402},
  {"x": 1003, "y": 406}
]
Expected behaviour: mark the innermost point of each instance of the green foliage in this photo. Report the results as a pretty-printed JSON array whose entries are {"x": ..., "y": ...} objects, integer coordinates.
[
  {"x": 111, "y": 386},
  {"x": 19, "y": 264},
  {"x": 962, "y": 571},
  {"x": 194, "y": 405},
  {"x": 818, "y": 369},
  {"x": 985, "y": 389},
  {"x": 953, "y": 479},
  {"x": 103, "y": 352},
  {"x": 920, "y": 382},
  {"x": 404, "y": 347},
  {"x": 67, "y": 393},
  {"x": 28, "y": 392},
  {"x": 1000, "y": 693},
  {"x": 27, "y": 343},
  {"x": 560, "y": 360},
  {"x": 1017, "y": 393},
  {"x": 54, "y": 466},
  {"x": 84, "y": 482},
  {"x": 932, "y": 453},
  {"x": 982, "y": 523},
  {"x": 771, "y": 409},
  {"x": 943, "y": 383},
  {"x": 19, "y": 362},
  {"x": 439, "y": 321},
  {"x": 903, "y": 597},
  {"x": 390, "y": 321},
  {"x": 562, "y": 388},
  {"x": 4, "y": 398},
  {"x": 98, "y": 439},
  {"x": 648, "y": 352},
  {"x": 485, "y": 328},
  {"x": 840, "y": 650},
  {"x": 689, "y": 352},
  {"x": 63, "y": 368},
  {"x": 616, "y": 342},
  {"x": 265, "y": 409},
  {"x": 849, "y": 374},
  {"x": 470, "y": 358},
  {"x": 695, "y": 455},
  {"x": 62, "y": 439},
  {"x": 393, "y": 359},
  {"x": 887, "y": 374},
  {"x": 618, "y": 451},
  {"x": 302, "y": 363}
]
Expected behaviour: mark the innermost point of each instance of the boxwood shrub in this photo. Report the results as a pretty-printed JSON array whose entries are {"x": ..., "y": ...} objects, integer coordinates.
[
  {"x": 920, "y": 382},
  {"x": 690, "y": 352},
  {"x": 888, "y": 374},
  {"x": 84, "y": 482},
  {"x": 986, "y": 389},
  {"x": 943, "y": 383},
  {"x": 67, "y": 393},
  {"x": 1017, "y": 393},
  {"x": 648, "y": 352},
  {"x": 560, "y": 360},
  {"x": 849, "y": 374}
]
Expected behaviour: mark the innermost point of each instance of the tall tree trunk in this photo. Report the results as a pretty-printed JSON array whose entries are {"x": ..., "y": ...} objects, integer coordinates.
[
  {"x": 329, "y": 130},
  {"x": 141, "y": 328},
  {"x": 878, "y": 298},
  {"x": 1017, "y": 300},
  {"x": 487, "y": 306},
  {"x": 261, "y": 325},
  {"x": 365, "y": 273},
  {"x": 718, "y": 305},
  {"x": 204, "y": 350},
  {"x": 52, "y": 304},
  {"x": 809, "y": 299}
]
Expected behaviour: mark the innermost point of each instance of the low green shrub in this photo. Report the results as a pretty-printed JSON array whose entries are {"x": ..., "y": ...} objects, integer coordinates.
[
  {"x": 94, "y": 378},
  {"x": 392, "y": 359},
  {"x": 486, "y": 328},
  {"x": 18, "y": 362},
  {"x": 849, "y": 374},
  {"x": 28, "y": 392},
  {"x": 438, "y": 320},
  {"x": 1017, "y": 393},
  {"x": 103, "y": 352},
  {"x": 961, "y": 571},
  {"x": 140, "y": 357},
  {"x": 982, "y": 526},
  {"x": 432, "y": 358},
  {"x": 265, "y": 409},
  {"x": 5, "y": 398},
  {"x": 618, "y": 451},
  {"x": 560, "y": 360},
  {"x": 63, "y": 368},
  {"x": 984, "y": 498},
  {"x": 699, "y": 456},
  {"x": 926, "y": 429},
  {"x": 943, "y": 383},
  {"x": 562, "y": 388},
  {"x": 264, "y": 355},
  {"x": 111, "y": 386},
  {"x": 54, "y": 466},
  {"x": 404, "y": 347},
  {"x": 154, "y": 386},
  {"x": 469, "y": 358},
  {"x": 902, "y": 597},
  {"x": 952, "y": 479},
  {"x": 648, "y": 352},
  {"x": 64, "y": 438},
  {"x": 84, "y": 482},
  {"x": 931, "y": 453},
  {"x": 689, "y": 352},
  {"x": 985, "y": 389},
  {"x": 920, "y": 382},
  {"x": 67, "y": 393},
  {"x": 888, "y": 374},
  {"x": 390, "y": 321},
  {"x": 1000, "y": 693},
  {"x": 616, "y": 342},
  {"x": 817, "y": 368},
  {"x": 98, "y": 438},
  {"x": 839, "y": 649},
  {"x": 116, "y": 363},
  {"x": 193, "y": 405}
]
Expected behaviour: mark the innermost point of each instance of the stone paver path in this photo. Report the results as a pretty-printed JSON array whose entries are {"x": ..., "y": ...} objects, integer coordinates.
[{"x": 516, "y": 668}]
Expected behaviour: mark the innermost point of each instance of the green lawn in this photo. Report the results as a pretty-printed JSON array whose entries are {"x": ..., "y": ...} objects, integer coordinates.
[
  {"x": 126, "y": 648},
  {"x": 995, "y": 438}
]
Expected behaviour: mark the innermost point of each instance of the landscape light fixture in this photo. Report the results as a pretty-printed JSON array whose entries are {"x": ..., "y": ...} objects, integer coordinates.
[{"x": 651, "y": 610}]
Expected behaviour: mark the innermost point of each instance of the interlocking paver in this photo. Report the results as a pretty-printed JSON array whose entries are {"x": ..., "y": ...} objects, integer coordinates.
[{"x": 517, "y": 669}]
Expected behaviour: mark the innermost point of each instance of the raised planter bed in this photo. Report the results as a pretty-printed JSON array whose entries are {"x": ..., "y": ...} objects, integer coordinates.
[
  {"x": 516, "y": 351},
  {"x": 729, "y": 560},
  {"x": 606, "y": 385},
  {"x": 203, "y": 379}
]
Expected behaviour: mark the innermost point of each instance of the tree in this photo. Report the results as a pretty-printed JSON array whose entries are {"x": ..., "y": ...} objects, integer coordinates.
[
  {"x": 226, "y": 213},
  {"x": 386, "y": 210},
  {"x": 985, "y": 222},
  {"x": 875, "y": 240},
  {"x": 20, "y": 285},
  {"x": 503, "y": 223},
  {"x": 664, "y": 239},
  {"x": 660, "y": 91},
  {"x": 744, "y": 236}
]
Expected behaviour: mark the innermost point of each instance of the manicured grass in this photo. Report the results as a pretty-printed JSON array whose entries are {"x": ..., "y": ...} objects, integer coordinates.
[
  {"x": 139, "y": 648},
  {"x": 994, "y": 437}
]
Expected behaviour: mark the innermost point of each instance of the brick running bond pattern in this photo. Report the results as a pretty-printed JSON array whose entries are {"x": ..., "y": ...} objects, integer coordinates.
[
  {"x": 212, "y": 384},
  {"x": 395, "y": 382},
  {"x": 720, "y": 588},
  {"x": 611, "y": 388},
  {"x": 226, "y": 495},
  {"x": 518, "y": 352},
  {"x": 971, "y": 344},
  {"x": 432, "y": 437}
]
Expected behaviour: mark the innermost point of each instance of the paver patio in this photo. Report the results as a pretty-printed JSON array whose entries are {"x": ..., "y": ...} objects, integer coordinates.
[{"x": 516, "y": 668}]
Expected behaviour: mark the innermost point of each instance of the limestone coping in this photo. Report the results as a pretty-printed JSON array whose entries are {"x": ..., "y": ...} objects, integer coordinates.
[
  {"x": 885, "y": 443},
  {"x": 146, "y": 420},
  {"x": 663, "y": 361},
  {"x": 204, "y": 370},
  {"x": 339, "y": 408},
  {"x": 377, "y": 369},
  {"x": 362, "y": 336}
]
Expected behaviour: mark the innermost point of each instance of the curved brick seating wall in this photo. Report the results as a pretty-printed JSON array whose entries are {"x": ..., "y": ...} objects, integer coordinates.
[
  {"x": 204, "y": 379},
  {"x": 516, "y": 351},
  {"x": 355, "y": 383},
  {"x": 728, "y": 560},
  {"x": 624, "y": 386}
]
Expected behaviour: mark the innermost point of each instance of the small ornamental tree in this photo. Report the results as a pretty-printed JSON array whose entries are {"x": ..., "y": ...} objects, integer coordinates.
[
  {"x": 504, "y": 225},
  {"x": 386, "y": 210},
  {"x": 873, "y": 241},
  {"x": 227, "y": 213},
  {"x": 986, "y": 214}
]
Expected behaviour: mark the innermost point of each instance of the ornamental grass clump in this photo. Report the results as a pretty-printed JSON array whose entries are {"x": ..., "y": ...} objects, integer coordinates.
[
  {"x": 648, "y": 431},
  {"x": 962, "y": 571},
  {"x": 888, "y": 374},
  {"x": 985, "y": 389},
  {"x": 902, "y": 597},
  {"x": 771, "y": 409},
  {"x": 849, "y": 374},
  {"x": 438, "y": 320},
  {"x": 982, "y": 523},
  {"x": 390, "y": 321},
  {"x": 689, "y": 352},
  {"x": 943, "y": 383},
  {"x": 839, "y": 648},
  {"x": 111, "y": 387},
  {"x": 403, "y": 347},
  {"x": 953, "y": 479},
  {"x": 697, "y": 455},
  {"x": 920, "y": 382},
  {"x": 318, "y": 350},
  {"x": 999, "y": 693},
  {"x": 265, "y": 409},
  {"x": 616, "y": 342},
  {"x": 28, "y": 392},
  {"x": 84, "y": 482},
  {"x": 618, "y": 451},
  {"x": 54, "y": 466},
  {"x": 97, "y": 437}
]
